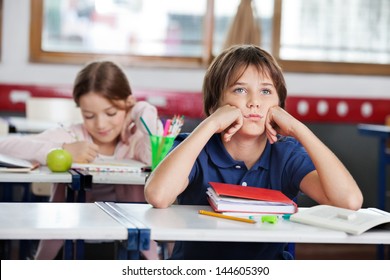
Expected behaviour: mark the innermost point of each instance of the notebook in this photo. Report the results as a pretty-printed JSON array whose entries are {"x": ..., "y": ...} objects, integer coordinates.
[
  {"x": 13, "y": 164},
  {"x": 101, "y": 165},
  {"x": 336, "y": 218}
]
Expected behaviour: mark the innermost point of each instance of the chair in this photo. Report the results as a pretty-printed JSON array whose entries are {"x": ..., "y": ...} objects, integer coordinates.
[
  {"x": 4, "y": 127},
  {"x": 62, "y": 110}
]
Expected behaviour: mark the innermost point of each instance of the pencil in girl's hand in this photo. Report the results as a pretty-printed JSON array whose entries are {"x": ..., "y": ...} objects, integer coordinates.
[
  {"x": 71, "y": 133},
  {"x": 145, "y": 125}
]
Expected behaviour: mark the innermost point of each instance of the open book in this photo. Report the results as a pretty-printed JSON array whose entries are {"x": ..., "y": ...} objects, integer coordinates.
[
  {"x": 235, "y": 198},
  {"x": 13, "y": 164},
  {"x": 331, "y": 217},
  {"x": 101, "y": 165}
]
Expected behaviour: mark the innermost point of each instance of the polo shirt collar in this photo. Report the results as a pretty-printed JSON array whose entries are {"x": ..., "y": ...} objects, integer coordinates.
[{"x": 221, "y": 158}]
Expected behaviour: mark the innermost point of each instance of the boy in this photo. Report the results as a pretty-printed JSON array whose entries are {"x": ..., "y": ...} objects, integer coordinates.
[{"x": 247, "y": 139}]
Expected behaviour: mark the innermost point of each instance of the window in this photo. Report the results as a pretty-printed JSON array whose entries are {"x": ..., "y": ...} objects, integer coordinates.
[
  {"x": 1, "y": 21},
  {"x": 351, "y": 36},
  {"x": 179, "y": 33}
]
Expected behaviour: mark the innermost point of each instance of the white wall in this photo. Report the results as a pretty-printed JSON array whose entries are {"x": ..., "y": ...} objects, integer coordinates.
[{"x": 16, "y": 69}]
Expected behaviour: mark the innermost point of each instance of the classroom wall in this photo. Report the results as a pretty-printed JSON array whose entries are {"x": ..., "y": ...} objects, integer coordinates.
[
  {"x": 179, "y": 89},
  {"x": 15, "y": 68}
]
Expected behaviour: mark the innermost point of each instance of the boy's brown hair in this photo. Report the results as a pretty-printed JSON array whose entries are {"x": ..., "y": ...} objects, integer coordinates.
[{"x": 228, "y": 67}]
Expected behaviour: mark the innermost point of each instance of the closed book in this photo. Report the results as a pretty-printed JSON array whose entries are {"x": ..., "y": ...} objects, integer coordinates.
[{"x": 235, "y": 198}]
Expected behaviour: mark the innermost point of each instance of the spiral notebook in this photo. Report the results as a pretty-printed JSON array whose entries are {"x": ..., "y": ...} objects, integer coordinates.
[{"x": 128, "y": 165}]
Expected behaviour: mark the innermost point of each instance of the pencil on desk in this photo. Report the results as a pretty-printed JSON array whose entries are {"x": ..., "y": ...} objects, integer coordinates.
[{"x": 209, "y": 213}]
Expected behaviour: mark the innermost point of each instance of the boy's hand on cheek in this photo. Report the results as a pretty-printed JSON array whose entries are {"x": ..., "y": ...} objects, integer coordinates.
[
  {"x": 128, "y": 129},
  {"x": 278, "y": 121},
  {"x": 229, "y": 120}
]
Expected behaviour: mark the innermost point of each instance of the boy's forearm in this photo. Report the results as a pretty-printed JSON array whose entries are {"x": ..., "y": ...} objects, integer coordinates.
[{"x": 169, "y": 179}]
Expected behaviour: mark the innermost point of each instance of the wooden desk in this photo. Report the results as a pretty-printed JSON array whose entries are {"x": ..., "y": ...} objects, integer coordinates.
[
  {"x": 383, "y": 133},
  {"x": 72, "y": 221},
  {"x": 182, "y": 222}
]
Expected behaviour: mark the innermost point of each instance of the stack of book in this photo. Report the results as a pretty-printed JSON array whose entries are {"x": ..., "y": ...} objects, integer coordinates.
[{"x": 236, "y": 200}]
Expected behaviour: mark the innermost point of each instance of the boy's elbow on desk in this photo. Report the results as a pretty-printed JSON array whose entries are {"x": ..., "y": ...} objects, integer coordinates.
[
  {"x": 355, "y": 202},
  {"x": 355, "y": 199},
  {"x": 156, "y": 200},
  {"x": 352, "y": 202},
  {"x": 158, "y": 203}
]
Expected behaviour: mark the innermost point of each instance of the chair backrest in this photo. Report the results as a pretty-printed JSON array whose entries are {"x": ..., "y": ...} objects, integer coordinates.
[
  {"x": 4, "y": 127},
  {"x": 61, "y": 110}
]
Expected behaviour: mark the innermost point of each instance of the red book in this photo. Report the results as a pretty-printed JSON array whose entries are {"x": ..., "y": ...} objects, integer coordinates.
[{"x": 235, "y": 198}]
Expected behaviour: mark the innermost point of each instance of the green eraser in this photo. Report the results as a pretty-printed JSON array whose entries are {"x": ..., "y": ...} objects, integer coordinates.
[
  {"x": 286, "y": 216},
  {"x": 272, "y": 219}
]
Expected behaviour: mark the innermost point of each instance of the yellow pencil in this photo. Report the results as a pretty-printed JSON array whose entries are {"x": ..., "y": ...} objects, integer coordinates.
[{"x": 209, "y": 213}]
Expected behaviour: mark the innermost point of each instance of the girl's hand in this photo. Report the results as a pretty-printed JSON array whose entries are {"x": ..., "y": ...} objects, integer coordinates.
[
  {"x": 128, "y": 124},
  {"x": 278, "y": 121},
  {"x": 82, "y": 151},
  {"x": 228, "y": 119}
]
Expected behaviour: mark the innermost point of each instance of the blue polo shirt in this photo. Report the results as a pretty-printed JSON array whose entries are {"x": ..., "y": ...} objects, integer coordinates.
[{"x": 282, "y": 166}]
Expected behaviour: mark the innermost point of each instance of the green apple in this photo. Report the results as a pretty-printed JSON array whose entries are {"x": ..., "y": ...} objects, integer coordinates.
[{"x": 59, "y": 160}]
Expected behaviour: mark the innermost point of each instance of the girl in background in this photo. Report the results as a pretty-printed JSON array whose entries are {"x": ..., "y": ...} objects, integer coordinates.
[{"x": 111, "y": 129}]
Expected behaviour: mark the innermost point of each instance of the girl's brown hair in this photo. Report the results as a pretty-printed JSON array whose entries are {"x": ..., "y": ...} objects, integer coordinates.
[
  {"x": 228, "y": 67},
  {"x": 103, "y": 77}
]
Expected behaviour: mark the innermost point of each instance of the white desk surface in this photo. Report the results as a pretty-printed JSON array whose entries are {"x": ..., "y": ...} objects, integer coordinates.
[
  {"x": 182, "y": 222},
  {"x": 44, "y": 175},
  {"x": 58, "y": 221},
  {"x": 124, "y": 178},
  {"x": 39, "y": 175}
]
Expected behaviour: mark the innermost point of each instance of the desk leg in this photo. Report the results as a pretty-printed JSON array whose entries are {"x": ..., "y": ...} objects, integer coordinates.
[
  {"x": 126, "y": 250},
  {"x": 68, "y": 250},
  {"x": 80, "y": 250},
  {"x": 70, "y": 246}
]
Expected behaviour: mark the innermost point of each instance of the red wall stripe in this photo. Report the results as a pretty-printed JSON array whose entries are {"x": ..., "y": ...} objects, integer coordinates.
[{"x": 307, "y": 109}]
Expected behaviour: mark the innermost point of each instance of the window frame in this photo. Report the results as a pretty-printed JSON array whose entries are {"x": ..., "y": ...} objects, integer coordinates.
[
  {"x": 39, "y": 56},
  {"x": 305, "y": 66}
]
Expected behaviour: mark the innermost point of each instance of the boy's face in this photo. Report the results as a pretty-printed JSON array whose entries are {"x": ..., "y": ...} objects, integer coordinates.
[
  {"x": 102, "y": 119},
  {"x": 253, "y": 93}
]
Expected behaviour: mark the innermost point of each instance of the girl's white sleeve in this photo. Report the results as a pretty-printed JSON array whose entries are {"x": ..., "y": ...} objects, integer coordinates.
[{"x": 34, "y": 147}]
